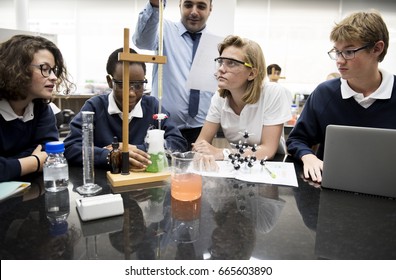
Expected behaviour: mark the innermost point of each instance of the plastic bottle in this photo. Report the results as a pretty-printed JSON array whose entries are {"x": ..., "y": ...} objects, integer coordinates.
[
  {"x": 56, "y": 170},
  {"x": 57, "y": 206},
  {"x": 294, "y": 113},
  {"x": 115, "y": 157},
  {"x": 57, "y": 209}
]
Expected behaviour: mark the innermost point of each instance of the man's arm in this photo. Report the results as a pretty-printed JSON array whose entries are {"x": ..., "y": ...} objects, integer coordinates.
[{"x": 146, "y": 32}]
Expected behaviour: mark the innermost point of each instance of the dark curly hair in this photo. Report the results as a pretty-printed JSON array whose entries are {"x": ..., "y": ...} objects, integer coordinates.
[{"x": 16, "y": 54}]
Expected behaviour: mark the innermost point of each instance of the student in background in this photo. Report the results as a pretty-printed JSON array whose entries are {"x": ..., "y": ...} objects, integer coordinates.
[
  {"x": 244, "y": 102},
  {"x": 31, "y": 68},
  {"x": 178, "y": 46},
  {"x": 108, "y": 119},
  {"x": 274, "y": 72},
  {"x": 364, "y": 96}
]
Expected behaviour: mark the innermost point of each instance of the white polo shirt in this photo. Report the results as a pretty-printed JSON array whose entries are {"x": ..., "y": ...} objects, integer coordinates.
[
  {"x": 137, "y": 111},
  {"x": 384, "y": 91},
  {"x": 9, "y": 115},
  {"x": 273, "y": 108}
]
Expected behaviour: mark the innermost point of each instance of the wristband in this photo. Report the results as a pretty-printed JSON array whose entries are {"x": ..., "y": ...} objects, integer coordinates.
[{"x": 38, "y": 163}]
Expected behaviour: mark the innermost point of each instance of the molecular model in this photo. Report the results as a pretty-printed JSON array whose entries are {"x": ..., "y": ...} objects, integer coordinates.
[{"x": 238, "y": 159}]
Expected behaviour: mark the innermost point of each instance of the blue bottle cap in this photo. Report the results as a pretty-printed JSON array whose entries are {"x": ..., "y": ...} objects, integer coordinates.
[
  {"x": 55, "y": 147},
  {"x": 58, "y": 228}
]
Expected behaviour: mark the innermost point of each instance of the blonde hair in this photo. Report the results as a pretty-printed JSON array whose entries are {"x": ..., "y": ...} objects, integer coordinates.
[
  {"x": 255, "y": 57},
  {"x": 365, "y": 27}
]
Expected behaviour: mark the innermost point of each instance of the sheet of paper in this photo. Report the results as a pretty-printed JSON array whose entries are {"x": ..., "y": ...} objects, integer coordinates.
[
  {"x": 284, "y": 173},
  {"x": 202, "y": 71},
  {"x": 8, "y": 189}
]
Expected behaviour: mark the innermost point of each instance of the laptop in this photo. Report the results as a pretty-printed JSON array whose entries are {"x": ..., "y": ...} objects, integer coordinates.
[{"x": 360, "y": 159}]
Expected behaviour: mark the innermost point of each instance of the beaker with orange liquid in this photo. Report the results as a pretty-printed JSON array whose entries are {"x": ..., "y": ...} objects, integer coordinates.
[{"x": 186, "y": 180}]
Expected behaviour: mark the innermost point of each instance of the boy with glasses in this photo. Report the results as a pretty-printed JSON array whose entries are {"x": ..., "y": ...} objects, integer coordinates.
[
  {"x": 364, "y": 95},
  {"x": 108, "y": 119}
]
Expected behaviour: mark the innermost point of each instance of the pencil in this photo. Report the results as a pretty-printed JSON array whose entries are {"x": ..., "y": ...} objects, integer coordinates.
[
  {"x": 263, "y": 163},
  {"x": 272, "y": 174}
]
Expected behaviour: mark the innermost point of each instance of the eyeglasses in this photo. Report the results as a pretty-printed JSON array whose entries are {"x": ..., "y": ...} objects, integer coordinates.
[
  {"x": 230, "y": 63},
  {"x": 46, "y": 70},
  {"x": 346, "y": 54},
  {"x": 133, "y": 85}
]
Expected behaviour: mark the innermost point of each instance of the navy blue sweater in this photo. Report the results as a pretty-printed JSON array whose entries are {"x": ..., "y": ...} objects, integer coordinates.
[
  {"x": 107, "y": 126},
  {"x": 18, "y": 139},
  {"x": 326, "y": 106}
]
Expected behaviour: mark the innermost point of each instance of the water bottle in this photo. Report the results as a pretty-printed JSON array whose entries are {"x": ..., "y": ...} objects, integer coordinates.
[
  {"x": 57, "y": 206},
  {"x": 56, "y": 170},
  {"x": 294, "y": 112},
  {"x": 57, "y": 209}
]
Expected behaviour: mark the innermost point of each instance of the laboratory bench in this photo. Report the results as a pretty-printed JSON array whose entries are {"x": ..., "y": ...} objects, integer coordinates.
[{"x": 234, "y": 220}]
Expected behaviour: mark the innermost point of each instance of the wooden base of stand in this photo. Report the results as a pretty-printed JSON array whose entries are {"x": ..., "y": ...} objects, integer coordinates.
[{"x": 134, "y": 178}]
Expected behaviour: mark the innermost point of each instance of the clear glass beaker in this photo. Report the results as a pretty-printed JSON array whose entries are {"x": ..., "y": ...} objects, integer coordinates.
[{"x": 186, "y": 180}]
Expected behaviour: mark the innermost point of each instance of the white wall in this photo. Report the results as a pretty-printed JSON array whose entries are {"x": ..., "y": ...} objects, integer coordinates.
[
  {"x": 295, "y": 34},
  {"x": 89, "y": 30},
  {"x": 292, "y": 33},
  {"x": 5, "y": 34}
]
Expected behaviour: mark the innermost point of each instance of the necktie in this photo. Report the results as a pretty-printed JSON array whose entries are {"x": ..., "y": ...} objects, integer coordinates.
[{"x": 193, "y": 102}]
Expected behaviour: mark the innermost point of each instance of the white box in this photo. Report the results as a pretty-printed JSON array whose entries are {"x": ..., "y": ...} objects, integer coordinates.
[{"x": 101, "y": 206}]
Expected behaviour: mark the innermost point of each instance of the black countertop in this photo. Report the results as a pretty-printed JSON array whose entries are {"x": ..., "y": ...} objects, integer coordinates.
[{"x": 235, "y": 220}]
